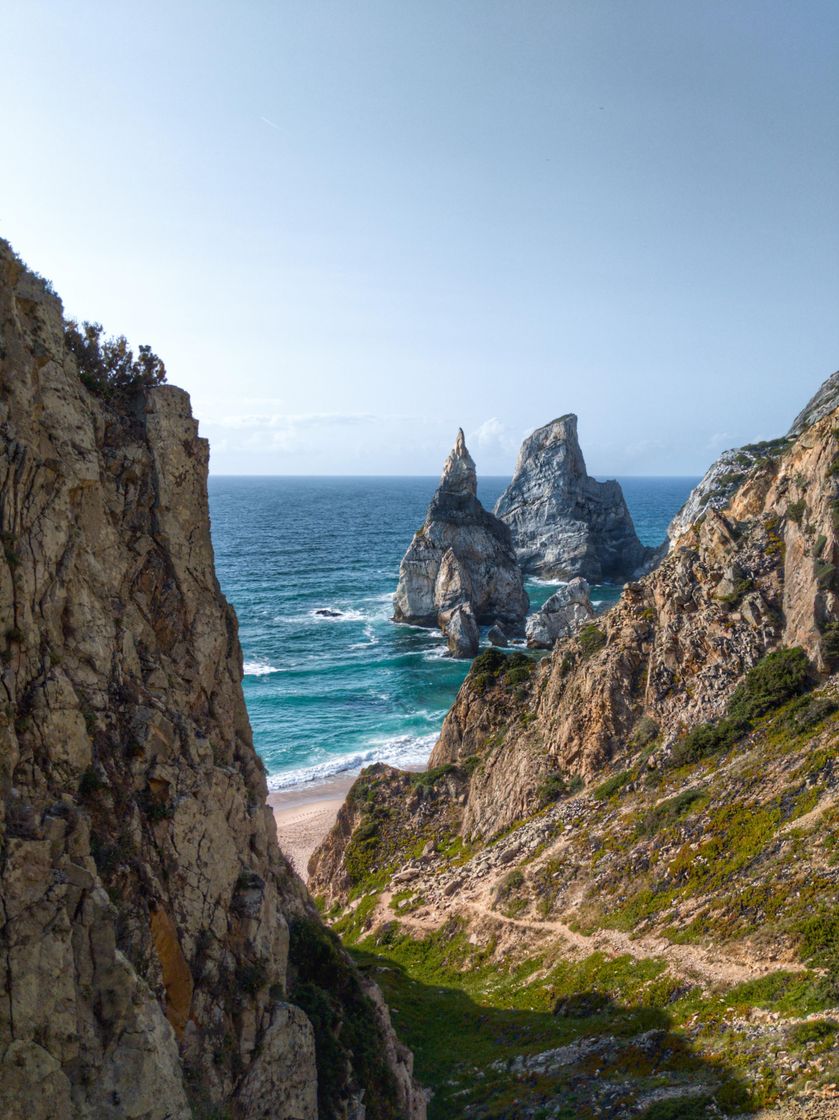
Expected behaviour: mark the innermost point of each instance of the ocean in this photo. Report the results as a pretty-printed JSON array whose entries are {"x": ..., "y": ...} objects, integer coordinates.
[{"x": 328, "y": 693}]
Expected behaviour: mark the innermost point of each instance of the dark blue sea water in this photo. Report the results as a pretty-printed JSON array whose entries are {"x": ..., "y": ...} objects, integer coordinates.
[{"x": 331, "y": 694}]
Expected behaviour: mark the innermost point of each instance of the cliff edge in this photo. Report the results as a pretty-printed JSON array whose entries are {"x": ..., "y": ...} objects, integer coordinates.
[{"x": 157, "y": 950}]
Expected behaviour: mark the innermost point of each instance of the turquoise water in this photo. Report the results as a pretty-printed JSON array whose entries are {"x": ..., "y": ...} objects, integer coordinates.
[{"x": 331, "y": 693}]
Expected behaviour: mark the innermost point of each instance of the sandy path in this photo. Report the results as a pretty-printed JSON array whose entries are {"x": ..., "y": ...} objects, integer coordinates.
[
  {"x": 304, "y": 816},
  {"x": 691, "y": 961}
]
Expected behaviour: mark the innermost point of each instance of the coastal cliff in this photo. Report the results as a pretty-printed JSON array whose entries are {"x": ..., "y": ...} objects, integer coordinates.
[
  {"x": 563, "y": 522},
  {"x": 727, "y": 474},
  {"x": 460, "y": 569},
  {"x": 638, "y": 829},
  {"x": 160, "y": 959}
]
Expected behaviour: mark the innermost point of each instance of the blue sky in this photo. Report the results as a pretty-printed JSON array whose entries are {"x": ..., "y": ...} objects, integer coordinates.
[{"x": 350, "y": 227}]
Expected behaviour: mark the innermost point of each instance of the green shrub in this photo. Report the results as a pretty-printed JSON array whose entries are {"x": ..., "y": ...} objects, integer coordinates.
[
  {"x": 830, "y": 644},
  {"x": 512, "y": 882},
  {"x": 807, "y": 712},
  {"x": 820, "y": 940},
  {"x": 775, "y": 679},
  {"x": 816, "y": 1030},
  {"x": 361, "y": 852},
  {"x": 326, "y": 986},
  {"x": 155, "y": 809},
  {"x": 427, "y": 779},
  {"x": 612, "y": 785},
  {"x": 670, "y": 811},
  {"x": 492, "y": 666},
  {"x": 251, "y": 977},
  {"x": 89, "y": 783},
  {"x": 591, "y": 639},
  {"x": 824, "y": 572},
  {"x": 554, "y": 786},
  {"x": 644, "y": 732},
  {"x": 795, "y": 511},
  {"x": 491, "y": 661},
  {"x": 107, "y": 366},
  {"x": 705, "y": 740},
  {"x": 679, "y": 1108}
]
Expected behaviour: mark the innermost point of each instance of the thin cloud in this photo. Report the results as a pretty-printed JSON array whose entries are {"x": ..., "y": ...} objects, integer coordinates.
[
  {"x": 493, "y": 435},
  {"x": 291, "y": 421}
]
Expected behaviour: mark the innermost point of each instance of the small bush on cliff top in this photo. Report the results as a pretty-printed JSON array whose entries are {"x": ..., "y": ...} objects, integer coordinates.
[
  {"x": 107, "y": 366},
  {"x": 493, "y": 666}
]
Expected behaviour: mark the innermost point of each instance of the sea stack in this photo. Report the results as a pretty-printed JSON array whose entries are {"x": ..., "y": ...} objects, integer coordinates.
[
  {"x": 460, "y": 569},
  {"x": 563, "y": 522}
]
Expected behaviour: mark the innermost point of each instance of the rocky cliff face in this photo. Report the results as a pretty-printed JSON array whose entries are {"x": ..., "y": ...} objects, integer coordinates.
[
  {"x": 658, "y": 796},
  {"x": 756, "y": 576},
  {"x": 460, "y": 569},
  {"x": 563, "y": 522},
  {"x": 147, "y": 910},
  {"x": 724, "y": 477}
]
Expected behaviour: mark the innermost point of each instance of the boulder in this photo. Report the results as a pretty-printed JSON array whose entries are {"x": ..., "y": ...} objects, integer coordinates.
[
  {"x": 497, "y": 636},
  {"x": 561, "y": 616},
  {"x": 461, "y": 631}
]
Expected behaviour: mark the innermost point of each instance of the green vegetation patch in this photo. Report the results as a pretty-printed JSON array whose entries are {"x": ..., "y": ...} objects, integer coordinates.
[
  {"x": 468, "y": 1018},
  {"x": 612, "y": 785},
  {"x": 776, "y": 679},
  {"x": 556, "y": 785},
  {"x": 512, "y": 670},
  {"x": 590, "y": 639},
  {"x": 107, "y": 366},
  {"x": 671, "y": 811},
  {"x": 323, "y": 984}
]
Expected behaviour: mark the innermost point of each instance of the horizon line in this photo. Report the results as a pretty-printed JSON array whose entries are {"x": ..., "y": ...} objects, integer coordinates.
[{"x": 599, "y": 475}]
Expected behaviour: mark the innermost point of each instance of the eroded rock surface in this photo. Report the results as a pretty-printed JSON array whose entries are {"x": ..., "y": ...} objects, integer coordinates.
[
  {"x": 146, "y": 906},
  {"x": 659, "y": 794},
  {"x": 563, "y": 522},
  {"x": 561, "y": 615},
  {"x": 757, "y": 575},
  {"x": 727, "y": 474},
  {"x": 460, "y": 570}
]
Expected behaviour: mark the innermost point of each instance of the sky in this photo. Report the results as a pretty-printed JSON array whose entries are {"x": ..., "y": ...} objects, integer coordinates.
[{"x": 350, "y": 227}]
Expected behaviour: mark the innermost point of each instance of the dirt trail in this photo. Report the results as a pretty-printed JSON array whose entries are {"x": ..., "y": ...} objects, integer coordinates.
[
  {"x": 688, "y": 960},
  {"x": 691, "y": 961}
]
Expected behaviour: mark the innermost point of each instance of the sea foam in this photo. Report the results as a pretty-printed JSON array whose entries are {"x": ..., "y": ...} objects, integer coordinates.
[
  {"x": 259, "y": 668},
  {"x": 405, "y": 751}
]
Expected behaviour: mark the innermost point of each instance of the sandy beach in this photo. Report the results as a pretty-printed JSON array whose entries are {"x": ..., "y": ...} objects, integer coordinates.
[{"x": 305, "y": 815}]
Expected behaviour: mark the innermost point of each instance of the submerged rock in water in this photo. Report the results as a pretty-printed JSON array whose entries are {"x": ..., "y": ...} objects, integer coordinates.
[
  {"x": 461, "y": 631},
  {"x": 497, "y": 636},
  {"x": 461, "y": 557},
  {"x": 563, "y": 522},
  {"x": 561, "y": 616}
]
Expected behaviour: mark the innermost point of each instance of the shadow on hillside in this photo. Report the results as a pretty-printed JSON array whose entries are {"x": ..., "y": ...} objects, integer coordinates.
[{"x": 610, "y": 1061}]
